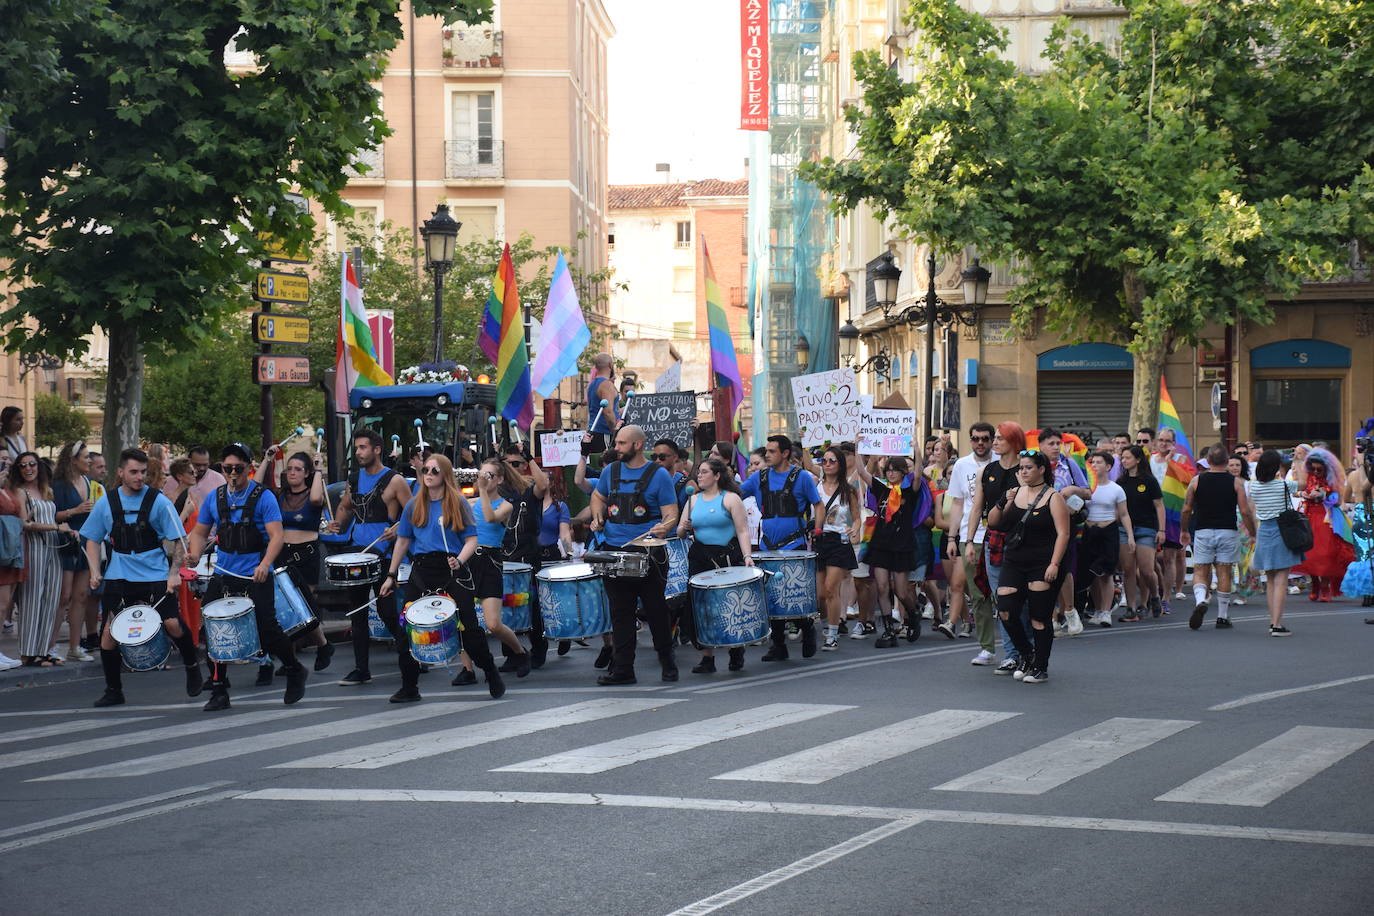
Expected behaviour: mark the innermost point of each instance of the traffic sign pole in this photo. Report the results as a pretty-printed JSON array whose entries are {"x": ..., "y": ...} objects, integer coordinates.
[{"x": 265, "y": 397}]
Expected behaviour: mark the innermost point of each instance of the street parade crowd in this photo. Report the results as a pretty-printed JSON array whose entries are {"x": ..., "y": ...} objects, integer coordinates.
[{"x": 1024, "y": 538}]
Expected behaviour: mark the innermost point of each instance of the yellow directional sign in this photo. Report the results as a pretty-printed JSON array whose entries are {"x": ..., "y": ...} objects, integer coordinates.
[
  {"x": 275, "y": 286},
  {"x": 276, "y": 250},
  {"x": 276, "y": 328},
  {"x": 271, "y": 369}
]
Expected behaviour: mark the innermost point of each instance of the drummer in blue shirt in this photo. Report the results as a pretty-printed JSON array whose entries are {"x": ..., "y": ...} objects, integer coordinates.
[
  {"x": 146, "y": 530},
  {"x": 440, "y": 555},
  {"x": 247, "y": 518},
  {"x": 634, "y": 498},
  {"x": 786, "y": 495}
]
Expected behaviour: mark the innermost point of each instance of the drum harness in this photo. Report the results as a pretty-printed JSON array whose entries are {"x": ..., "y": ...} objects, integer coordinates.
[
  {"x": 139, "y": 537},
  {"x": 370, "y": 507},
  {"x": 634, "y": 504}
]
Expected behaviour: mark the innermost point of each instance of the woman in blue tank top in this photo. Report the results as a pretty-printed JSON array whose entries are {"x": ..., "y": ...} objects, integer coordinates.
[
  {"x": 715, "y": 517},
  {"x": 491, "y": 512},
  {"x": 301, "y": 495}
]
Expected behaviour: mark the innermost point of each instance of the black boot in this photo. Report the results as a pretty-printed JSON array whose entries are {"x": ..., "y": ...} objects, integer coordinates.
[
  {"x": 264, "y": 676},
  {"x": 564, "y": 646},
  {"x": 737, "y": 658},
  {"x": 777, "y": 652},
  {"x": 463, "y": 678},
  {"x": 110, "y": 661},
  {"x": 111, "y": 697},
  {"x": 539, "y": 652},
  {"x": 665, "y": 658},
  {"x": 295, "y": 684},
  {"x": 195, "y": 681},
  {"x": 808, "y": 637},
  {"x": 707, "y": 665},
  {"x": 406, "y": 695},
  {"x": 495, "y": 686},
  {"x": 522, "y": 664},
  {"x": 323, "y": 656},
  {"x": 219, "y": 698},
  {"x": 603, "y": 658},
  {"x": 889, "y": 638}
]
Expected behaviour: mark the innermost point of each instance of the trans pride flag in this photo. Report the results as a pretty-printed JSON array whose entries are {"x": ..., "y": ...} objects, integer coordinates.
[{"x": 564, "y": 336}]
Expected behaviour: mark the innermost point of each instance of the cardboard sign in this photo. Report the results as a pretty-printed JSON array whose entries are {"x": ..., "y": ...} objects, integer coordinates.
[
  {"x": 666, "y": 415},
  {"x": 827, "y": 405},
  {"x": 560, "y": 450},
  {"x": 887, "y": 432},
  {"x": 670, "y": 380}
]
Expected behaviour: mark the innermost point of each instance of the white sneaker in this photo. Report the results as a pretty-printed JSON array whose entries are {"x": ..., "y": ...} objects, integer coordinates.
[
  {"x": 1061, "y": 628},
  {"x": 7, "y": 663},
  {"x": 1179, "y": 595},
  {"x": 830, "y": 645},
  {"x": 1073, "y": 624},
  {"x": 1294, "y": 590},
  {"x": 983, "y": 658},
  {"x": 856, "y": 630},
  {"x": 852, "y": 612},
  {"x": 1103, "y": 618},
  {"x": 929, "y": 613}
]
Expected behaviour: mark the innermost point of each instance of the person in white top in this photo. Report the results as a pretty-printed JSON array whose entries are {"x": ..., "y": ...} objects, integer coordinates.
[
  {"x": 966, "y": 531},
  {"x": 1099, "y": 553}
]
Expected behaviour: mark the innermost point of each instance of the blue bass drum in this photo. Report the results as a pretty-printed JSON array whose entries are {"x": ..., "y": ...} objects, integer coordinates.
[
  {"x": 729, "y": 606},
  {"x": 572, "y": 598},
  {"x": 142, "y": 642},
  {"x": 517, "y": 582},
  {"x": 677, "y": 566},
  {"x": 432, "y": 625},
  {"x": 293, "y": 611},
  {"x": 231, "y": 630},
  {"x": 792, "y": 586},
  {"x": 376, "y": 627}
]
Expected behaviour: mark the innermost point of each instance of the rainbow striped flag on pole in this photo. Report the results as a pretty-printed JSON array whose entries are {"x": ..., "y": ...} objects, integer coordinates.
[
  {"x": 512, "y": 357},
  {"x": 724, "y": 363},
  {"x": 1177, "y": 474},
  {"x": 1169, "y": 419},
  {"x": 489, "y": 334},
  {"x": 355, "y": 355}
]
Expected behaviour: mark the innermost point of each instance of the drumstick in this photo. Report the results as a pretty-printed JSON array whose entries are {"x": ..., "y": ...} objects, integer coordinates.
[
  {"x": 374, "y": 540},
  {"x": 443, "y": 533},
  {"x": 298, "y": 431},
  {"x": 319, "y": 440},
  {"x": 361, "y": 607},
  {"x": 419, "y": 432}
]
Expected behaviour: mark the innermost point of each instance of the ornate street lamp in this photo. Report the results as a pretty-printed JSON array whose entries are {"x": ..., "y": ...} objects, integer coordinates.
[
  {"x": 440, "y": 233},
  {"x": 879, "y": 362}
]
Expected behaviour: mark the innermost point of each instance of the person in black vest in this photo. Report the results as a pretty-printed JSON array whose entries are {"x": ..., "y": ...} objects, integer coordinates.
[
  {"x": 375, "y": 495},
  {"x": 147, "y": 546},
  {"x": 1209, "y": 523},
  {"x": 248, "y": 521},
  {"x": 787, "y": 497},
  {"x": 524, "y": 486},
  {"x": 634, "y": 498}
]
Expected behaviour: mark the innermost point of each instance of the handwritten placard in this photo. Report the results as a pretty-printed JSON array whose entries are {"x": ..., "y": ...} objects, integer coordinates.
[
  {"x": 669, "y": 415},
  {"x": 560, "y": 450},
  {"x": 887, "y": 432},
  {"x": 827, "y": 406},
  {"x": 670, "y": 380}
]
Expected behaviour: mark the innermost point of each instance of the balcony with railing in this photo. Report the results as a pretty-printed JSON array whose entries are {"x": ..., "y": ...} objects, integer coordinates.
[
  {"x": 472, "y": 49},
  {"x": 473, "y": 159},
  {"x": 367, "y": 166}
]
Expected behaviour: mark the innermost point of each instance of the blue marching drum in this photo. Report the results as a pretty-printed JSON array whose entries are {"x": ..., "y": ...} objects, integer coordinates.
[
  {"x": 729, "y": 606},
  {"x": 792, "y": 586},
  {"x": 572, "y": 598},
  {"x": 432, "y": 625},
  {"x": 293, "y": 611},
  {"x": 142, "y": 641},
  {"x": 677, "y": 566},
  {"x": 231, "y": 630},
  {"x": 517, "y": 583}
]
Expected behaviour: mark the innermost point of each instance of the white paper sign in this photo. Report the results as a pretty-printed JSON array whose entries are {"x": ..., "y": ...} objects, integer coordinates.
[
  {"x": 827, "y": 405},
  {"x": 670, "y": 380},
  {"x": 560, "y": 450},
  {"x": 887, "y": 432}
]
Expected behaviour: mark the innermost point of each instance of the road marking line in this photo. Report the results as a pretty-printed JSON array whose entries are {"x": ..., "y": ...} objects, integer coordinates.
[
  {"x": 745, "y": 806},
  {"x": 1263, "y": 773},
  {"x": 67, "y": 728},
  {"x": 827, "y": 668},
  {"x": 1050, "y": 765},
  {"x": 252, "y": 744},
  {"x": 777, "y": 876},
  {"x": 180, "y": 730},
  {"x": 1275, "y": 694},
  {"x": 610, "y": 755},
  {"x": 115, "y": 821},
  {"x": 417, "y": 747},
  {"x": 824, "y": 762},
  {"x": 109, "y": 809}
]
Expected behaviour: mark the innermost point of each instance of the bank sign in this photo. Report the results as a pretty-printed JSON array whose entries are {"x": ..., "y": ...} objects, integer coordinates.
[{"x": 1089, "y": 357}]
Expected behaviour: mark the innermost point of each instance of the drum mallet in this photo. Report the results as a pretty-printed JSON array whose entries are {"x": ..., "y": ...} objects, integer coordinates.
[
  {"x": 492, "y": 421},
  {"x": 395, "y": 445},
  {"x": 298, "y": 431},
  {"x": 419, "y": 432},
  {"x": 319, "y": 440}
]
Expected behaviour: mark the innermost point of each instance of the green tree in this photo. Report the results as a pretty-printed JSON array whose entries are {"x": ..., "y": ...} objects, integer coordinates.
[
  {"x": 185, "y": 405},
  {"x": 1218, "y": 156},
  {"x": 57, "y": 422},
  {"x": 141, "y": 173}
]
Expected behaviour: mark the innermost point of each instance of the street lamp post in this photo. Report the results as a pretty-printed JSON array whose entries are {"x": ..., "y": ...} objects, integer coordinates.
[
  {"x": 879, "y": 362},
  {"x": 440, "y": 233},
  {"x": 803, "y": 353}
]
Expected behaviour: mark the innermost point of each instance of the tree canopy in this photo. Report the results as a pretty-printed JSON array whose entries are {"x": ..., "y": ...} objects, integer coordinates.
[
  {"x": 1218, "y": 155},
  {"x": 57, "y": 422}
]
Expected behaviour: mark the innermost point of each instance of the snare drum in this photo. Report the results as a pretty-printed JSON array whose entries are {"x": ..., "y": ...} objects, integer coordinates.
[
  {"x": 231, "y": 630},
  {"x": 353, "y": 568},
  {"x": 677, "y": 566},
  {"x": 619, "y": 564},
  {"x": 515, "y": 603},
  {"x": 792, "y": 587},
  {"x": 204, "y": 569},
  {"x": 293, "y": 611},
  {"x": 729, "y": 606},
  {"x": 572, "y": 600},
  {"x": 402, "y": 578},
  {"x": 432, "y": 625},
  {"x": 143, "y": 642}
]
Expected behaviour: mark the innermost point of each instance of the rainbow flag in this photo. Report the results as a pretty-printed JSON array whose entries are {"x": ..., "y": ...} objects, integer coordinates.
[
  {"x": 489, "y": 334},
  {"x": 1340, "y": 524},
  {"x": 355, "y": 356},
  {"x": 512, "y": 357},
  {"x": 1071, "y": 446},
  {"x": 1177, "y": 474},
  {"x": 1169, "y": 419},
  {"x": 724, "y": 363}
]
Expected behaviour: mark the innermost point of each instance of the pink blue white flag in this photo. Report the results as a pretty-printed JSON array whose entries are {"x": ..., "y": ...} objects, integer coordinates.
[{"x": 564, "y": 333}]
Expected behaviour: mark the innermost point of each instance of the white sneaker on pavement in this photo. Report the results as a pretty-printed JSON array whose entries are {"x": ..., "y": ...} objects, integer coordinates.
[
  {"x": 1073, "y": 624},
  {"x": 983, "y": 658},
  {"x": 7, "y": 663}
]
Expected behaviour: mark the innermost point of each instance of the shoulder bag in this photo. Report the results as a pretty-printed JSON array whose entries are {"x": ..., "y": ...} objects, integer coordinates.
[{"x": 1294, "y": 527}]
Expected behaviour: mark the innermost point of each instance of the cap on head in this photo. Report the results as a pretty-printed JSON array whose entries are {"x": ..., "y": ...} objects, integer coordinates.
[{"x": 237, "y": 450}]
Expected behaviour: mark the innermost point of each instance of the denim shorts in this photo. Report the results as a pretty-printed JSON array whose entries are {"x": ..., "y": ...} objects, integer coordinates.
[
  {"x": 1216, "y": 545},
  {"x": 1144, "y": 537}
]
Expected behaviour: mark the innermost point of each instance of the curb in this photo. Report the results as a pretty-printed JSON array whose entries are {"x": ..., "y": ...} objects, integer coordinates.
[{"x": 19, "y": 678}]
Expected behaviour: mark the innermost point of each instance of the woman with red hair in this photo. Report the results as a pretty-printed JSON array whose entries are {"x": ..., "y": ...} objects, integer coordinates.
[{"x": 993, "y": 483}]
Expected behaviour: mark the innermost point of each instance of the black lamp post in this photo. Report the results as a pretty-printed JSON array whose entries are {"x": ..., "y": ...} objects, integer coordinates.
[
  {"x": 879, "y": 362},
  {"x": 440, "y": 233}
]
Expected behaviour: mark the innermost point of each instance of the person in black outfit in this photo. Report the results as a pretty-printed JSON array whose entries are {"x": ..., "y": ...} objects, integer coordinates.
[
  {"x": 524, "y": 487},
  {"x": 1035, "y": 519}
]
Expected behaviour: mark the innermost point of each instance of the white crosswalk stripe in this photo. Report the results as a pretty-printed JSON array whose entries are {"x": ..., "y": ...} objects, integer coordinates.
[
  {"x": 67, "y": 728},
  {"x": 824, "y": 762},
  {"x": 147, "y": 736},
  {"x": 1263, "y": 773},
  {"x": 417, "y": 747},
  {"x": 220, "y": 750},
  {"x": 598, "y": 758},
  {"x": 1051, "y": 765}
]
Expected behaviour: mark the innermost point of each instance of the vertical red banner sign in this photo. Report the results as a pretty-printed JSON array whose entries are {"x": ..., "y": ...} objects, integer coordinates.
[{"x": 753, "y": 45}]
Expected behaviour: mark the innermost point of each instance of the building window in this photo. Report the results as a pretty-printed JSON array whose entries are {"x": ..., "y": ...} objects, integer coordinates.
[
  {"x": 473, "y": 149},
  {"x": 610, "y": 235},
  {"x": 1293, "y": 410},
  {"x": 684, "y": 280},
  {"x": 684, "y": 235}
]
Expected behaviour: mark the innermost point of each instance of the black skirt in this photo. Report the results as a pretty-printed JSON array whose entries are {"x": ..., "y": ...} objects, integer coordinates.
[
  {"x": 486, "y": 567},
  {"x": 892, "y": 560},
  {"x": 831, "y": 550}
]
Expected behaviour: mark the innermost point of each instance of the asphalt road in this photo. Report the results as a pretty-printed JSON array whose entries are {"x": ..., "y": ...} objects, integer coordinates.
[{"x": 1152, "y": 774}]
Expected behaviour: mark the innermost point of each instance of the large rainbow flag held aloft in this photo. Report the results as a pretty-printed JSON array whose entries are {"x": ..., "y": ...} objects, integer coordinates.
[
  {"x": 1177, "y": 474},
  {"x": 355, "y": 355},
  {"x": 1071, "y": 446},
  {"x": 512, "y": 358},
  {"x": 724, "y": 363}
]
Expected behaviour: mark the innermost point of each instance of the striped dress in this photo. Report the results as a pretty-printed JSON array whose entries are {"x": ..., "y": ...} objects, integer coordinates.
[{"x": 42, "y": 587}]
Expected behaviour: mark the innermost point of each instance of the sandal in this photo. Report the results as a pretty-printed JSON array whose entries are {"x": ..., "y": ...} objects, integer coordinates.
[{"x": 41, "y": 661}]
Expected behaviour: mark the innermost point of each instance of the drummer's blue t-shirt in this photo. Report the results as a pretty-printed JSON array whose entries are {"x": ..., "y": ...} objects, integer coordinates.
[
  {"x": 554, "y": 516},
  {"x": 784, "y": 533},
  {"x": 240, "y": 564},
  {"x": 149, "y": 565},
  {"x": 429, "y": 538},
  {"x": 489, "y": 534},
  {"x": 659, "y": 494}
]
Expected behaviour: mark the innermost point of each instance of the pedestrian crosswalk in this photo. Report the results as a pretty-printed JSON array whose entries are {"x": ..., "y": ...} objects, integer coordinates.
[{"x": 652, "y": 728}]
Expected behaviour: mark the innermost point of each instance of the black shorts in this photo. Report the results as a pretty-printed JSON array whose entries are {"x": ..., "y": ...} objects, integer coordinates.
[
  {"x": 831, "y": 550},
  {"x": 1020, "y": 575},
  {"x": 893, "y": 560},
  {"x": 486, "y": 568},
  {"x": 1101, "y": 549},
  {"x": 119, "y": 593},
  {"x": 303, "y": 560}
]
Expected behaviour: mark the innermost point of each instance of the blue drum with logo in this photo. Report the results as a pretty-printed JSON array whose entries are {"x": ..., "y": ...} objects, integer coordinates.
[
  {"x": 729, "y": 606},
  {"x": 517, "y": 582},
  {"x": 792, "y": 586},
  {"x": 572, "y": 598},
  {"x": 143, "y": 643},
  {"x": 231, "y": 630},
  {"x": 376, "y": 627},
  {"x": 677, "y": 566},
  {"x": 293, "y": 611},
  {"x": 432, "y": 626}
]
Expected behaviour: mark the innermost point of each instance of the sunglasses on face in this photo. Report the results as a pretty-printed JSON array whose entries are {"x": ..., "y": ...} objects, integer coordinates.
[
  {"x": 433, "y": 471},
  {"x": 980, "y": 438},
  {"x": 829, "y": 461},
  {"x": 232, "y": 469},
  {"x": 28, "y": 464},
  {"x": 659, "y": 456}
]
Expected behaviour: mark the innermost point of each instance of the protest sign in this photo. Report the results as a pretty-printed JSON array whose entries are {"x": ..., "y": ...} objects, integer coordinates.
[
  {"x": 670, "y": 380},
  {"x": 827, "y": 405},
  {"x": 887, "y": 432},
  {"x": 670, "y": 415},
  {"x": 560, "y": 450}
]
